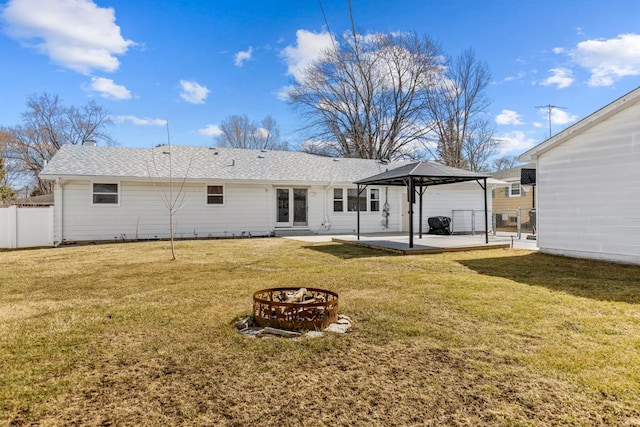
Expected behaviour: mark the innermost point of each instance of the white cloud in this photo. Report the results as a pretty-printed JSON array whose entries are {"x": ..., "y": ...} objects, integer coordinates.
[
  {"x": 107, "y": 88},
  {"x": 242, "y": 56},
  {"x": 508, "y": 117},
  {"x": 516, "y": 141},
  {"x": 518, "y": 76},
  {"x": 309, "y": 46},
  {"x": 558, "y": 50},
  {"x": 558, "y": 116},
  {"x": 140, "y": 121},
  {"x": 283, "y": 93},
  {"x": 77, "y": 34},
  {"x": 262, "y": 133},
  {"x": 561, "y": 117},
  {"x": 609, "y": 60},
  {"x": 561, "y": 77},
  {"x": 193, "y": 92},
  {"x": 210, "y": 130}
]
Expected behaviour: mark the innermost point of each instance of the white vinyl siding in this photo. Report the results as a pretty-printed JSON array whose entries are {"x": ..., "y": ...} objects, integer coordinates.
[
  {"x": 441, "y": 200},
  {"x": 588, "y": 204},
  {"x": 143, "y": 215},
  {"x": 248, "y": 209}
]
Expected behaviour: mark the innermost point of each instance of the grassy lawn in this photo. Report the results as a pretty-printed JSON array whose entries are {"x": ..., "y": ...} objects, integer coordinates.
[{"x": 118, "y": 334}]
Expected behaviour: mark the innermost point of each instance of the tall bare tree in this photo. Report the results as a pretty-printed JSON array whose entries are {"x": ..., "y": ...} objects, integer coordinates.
[
  {"x": 240, "y": 132},
  {"x": 47, "y": 125},
  {"x": 457, "y": 104},
  {"x": 366, "y": 97}
]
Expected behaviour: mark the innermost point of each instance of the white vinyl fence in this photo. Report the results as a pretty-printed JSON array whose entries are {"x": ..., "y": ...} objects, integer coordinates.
[{"x": 26, "y": 227}]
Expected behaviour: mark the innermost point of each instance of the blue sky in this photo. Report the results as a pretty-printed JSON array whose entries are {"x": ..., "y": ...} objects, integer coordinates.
[{"x": 194, "y": 63}]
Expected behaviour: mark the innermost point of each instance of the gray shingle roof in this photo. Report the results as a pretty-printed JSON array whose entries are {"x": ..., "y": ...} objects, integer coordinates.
[
  {"x": 512, "y": 173},
  {"x": 204, "y": 163},
  {"x": 426, "y": 173}
]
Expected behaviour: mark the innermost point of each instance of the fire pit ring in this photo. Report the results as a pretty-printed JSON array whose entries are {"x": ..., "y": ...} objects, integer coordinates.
[{"x": 295, "y": 308}]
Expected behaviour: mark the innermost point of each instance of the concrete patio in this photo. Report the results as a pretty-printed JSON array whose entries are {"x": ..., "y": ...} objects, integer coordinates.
[{"x": 429, "y": 243}]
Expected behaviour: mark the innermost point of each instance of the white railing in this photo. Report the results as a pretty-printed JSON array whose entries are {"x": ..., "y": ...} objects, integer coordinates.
[
  {"x": 469, "y": 221},
  {"x": 26, "y": 227}
]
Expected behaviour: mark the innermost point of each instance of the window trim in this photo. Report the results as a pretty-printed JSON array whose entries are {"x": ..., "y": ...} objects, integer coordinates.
[
  {"x": 117, "y": 193},
  {"x": 366, "y": 204},
  {"x": 520, "y": 190},
  {"x": 340, "y": 200},
  {"x": 223, "y": 195},
  {"x": 372, "y": 200}
]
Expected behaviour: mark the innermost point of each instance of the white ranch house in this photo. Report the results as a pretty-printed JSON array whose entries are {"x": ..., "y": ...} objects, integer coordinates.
[
  {"x": 588, "y": 178},
  {"x": 107, "y": 193}
]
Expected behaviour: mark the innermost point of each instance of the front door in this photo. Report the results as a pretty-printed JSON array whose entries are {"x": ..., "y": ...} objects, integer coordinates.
[{"x": 291, "y": 207}]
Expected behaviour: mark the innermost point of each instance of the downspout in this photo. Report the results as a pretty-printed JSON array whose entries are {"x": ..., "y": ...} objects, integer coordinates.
[
  {"x": 326, "y": 225},
  {"x": 57, "y": 212}
]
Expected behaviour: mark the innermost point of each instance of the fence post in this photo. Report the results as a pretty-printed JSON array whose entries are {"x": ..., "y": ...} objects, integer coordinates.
[
  {"x": 519, "y": 222},
  {"x": 473, "y": 222},
  {"x": 12, "y": 223},
  {"x": 494, "y": 219}
]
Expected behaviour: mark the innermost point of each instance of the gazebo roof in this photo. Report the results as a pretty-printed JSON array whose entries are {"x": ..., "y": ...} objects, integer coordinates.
[{"x": 423, "y": 174}]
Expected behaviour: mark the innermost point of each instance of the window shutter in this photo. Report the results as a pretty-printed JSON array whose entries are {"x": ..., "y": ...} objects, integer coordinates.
[{"x": 506, "y": 191}]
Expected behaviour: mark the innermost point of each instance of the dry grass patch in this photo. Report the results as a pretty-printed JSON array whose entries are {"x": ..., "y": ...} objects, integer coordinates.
[{"x": 118, "y": 334}]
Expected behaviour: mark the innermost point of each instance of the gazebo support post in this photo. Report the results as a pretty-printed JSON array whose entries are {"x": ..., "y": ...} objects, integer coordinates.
[
  {"x": 486, "y": 215},
  {"x": 411, "y": 195},
  {"x": 420, "y": 216},
  {"x": 421, "y": 192},
  {"x": 358, "y": 213}
]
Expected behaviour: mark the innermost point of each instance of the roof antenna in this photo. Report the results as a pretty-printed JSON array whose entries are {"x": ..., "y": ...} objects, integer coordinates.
[{"x": 549, "y": 108}]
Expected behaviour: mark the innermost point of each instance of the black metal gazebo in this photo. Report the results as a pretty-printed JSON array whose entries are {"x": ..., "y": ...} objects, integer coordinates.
[{"x": 417, "y": 177}]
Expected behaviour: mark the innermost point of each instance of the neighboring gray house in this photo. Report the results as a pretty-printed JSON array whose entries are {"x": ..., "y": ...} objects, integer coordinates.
[
  {"x": 107, "y": 193},
  {"x": 588, "y": 179}
]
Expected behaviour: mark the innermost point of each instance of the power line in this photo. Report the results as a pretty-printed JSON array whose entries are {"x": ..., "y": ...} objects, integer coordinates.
[
  {"x": 326, "y": 22},
  {"x": 549, "y": 108}
]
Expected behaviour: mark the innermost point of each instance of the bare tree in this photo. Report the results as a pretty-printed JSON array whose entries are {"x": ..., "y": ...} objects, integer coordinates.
[
  {"x": 504, "y": 162},
  {"x": 457, "y": 105},
  {"x": 480, "y": 145},
  {"x": 366, "y": 97},
  {"x": 172, "y": 197},
  {"x": 240, "y": 132},
  {"x": 47, "y": 125},
  {"x": 5, "y": 190},
  {"x": 9, "y": 173}
]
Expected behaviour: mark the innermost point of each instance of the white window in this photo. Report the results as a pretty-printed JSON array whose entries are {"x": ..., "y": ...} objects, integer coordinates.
[
  {"x": 374, "y": 199},
  {"x": 105, "y": 194},
  {"x": 515, "y": 190},
  {"x": 338, "y": 200},
  {"x": 353, "y": 199},
  {"x": 215, "y": 194}
]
